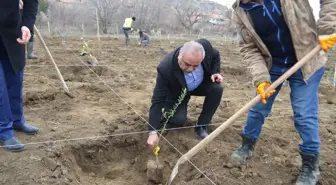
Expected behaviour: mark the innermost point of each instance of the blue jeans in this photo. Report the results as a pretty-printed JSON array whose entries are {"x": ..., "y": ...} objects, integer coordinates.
[
  {"x": 304, "y": 100},
  {"x": 11, "y": 105}
]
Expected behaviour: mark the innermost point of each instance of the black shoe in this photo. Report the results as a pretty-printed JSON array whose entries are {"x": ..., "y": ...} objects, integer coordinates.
[
  {"x": 201, "y": 132},
  {"x": 245, "y": 151},
  {"x": 310, "y": 172}
]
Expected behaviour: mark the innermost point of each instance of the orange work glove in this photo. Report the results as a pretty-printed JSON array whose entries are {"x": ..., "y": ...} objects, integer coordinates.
[
  {"x": 261, "y": 88},
  {"x": 327, "y": 41}
]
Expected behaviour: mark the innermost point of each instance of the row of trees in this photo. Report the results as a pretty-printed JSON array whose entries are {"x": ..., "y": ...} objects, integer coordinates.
[{"x": 167, "y": 15}]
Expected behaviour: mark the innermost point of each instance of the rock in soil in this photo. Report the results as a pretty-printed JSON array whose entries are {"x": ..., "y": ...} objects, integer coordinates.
[
  {"x": 331, "y": 99},
  {"x": 51, "y": 164},
  {"x": 154, "y": 172}
]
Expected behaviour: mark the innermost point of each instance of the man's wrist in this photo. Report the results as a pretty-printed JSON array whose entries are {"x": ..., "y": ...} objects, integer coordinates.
[{"x": 152, "y": 133}]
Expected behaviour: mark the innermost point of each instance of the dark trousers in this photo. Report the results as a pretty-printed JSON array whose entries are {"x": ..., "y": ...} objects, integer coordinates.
[
  {"x": 126, "y": 30},
  {"x": 213, "y": 95},
  {"x": 11, "y": 105}
]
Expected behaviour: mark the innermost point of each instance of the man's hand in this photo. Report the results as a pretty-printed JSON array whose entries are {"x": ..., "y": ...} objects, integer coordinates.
[
  {"x": 152, "y": 141},
  {"x": 25, "y": 36},
  {"x": 216, "y": 78},
  {"x": 327, "y": 41},
  {"x": 261, "y": 88}
]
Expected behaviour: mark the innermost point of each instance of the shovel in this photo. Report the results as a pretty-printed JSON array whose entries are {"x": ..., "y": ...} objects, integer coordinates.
[
  {"x": 249, "y": 105},
  {"x": 65, "y": 87}
]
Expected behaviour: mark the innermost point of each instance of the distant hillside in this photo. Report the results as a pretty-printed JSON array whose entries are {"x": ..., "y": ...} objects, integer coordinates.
[
  {"x": 214, "y": 7},
  {"x": 189, "y": 16}
]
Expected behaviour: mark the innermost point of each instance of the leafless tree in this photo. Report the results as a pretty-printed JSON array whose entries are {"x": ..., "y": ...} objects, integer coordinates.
[
  {"x": 106, "y": 11},
  {"x": 188, "y": 13},
  {"x": 62, "y": 15},
  {"x": 147, "y": 12},
  {"x": 167, "y": 16}
]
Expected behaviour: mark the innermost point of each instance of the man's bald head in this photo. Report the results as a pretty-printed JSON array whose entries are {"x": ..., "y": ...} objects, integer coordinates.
[{"x": 191, "y": 55}]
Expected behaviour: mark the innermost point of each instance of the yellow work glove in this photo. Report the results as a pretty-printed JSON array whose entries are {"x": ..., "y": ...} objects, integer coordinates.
[
  {"x": 327, "y": 41},
  {"x": 261, "y": 88}
]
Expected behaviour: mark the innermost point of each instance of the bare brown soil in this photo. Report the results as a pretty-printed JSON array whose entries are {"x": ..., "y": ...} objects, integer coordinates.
[{"x": 121, "y": 159}]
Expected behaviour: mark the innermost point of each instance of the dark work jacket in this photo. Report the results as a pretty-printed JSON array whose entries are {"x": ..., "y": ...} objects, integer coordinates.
[
  {"x": 170, "y": 80},
  {"x": 11, "y": 21}
]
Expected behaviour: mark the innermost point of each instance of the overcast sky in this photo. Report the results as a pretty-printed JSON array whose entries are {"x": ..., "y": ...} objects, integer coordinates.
[{"x": 314, "y": 3}]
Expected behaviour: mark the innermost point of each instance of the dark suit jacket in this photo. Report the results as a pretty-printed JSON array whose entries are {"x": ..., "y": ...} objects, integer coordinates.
[
  {"x": 170, "y": 80},
  {"x": 11, "y": 21}
]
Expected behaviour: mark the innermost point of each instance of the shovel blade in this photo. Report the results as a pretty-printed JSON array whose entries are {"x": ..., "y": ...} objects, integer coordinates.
[
  {"x": 67, "y": 92},
  {"x": 173, "y": 174},
  {"x": 70, "y": 94}
]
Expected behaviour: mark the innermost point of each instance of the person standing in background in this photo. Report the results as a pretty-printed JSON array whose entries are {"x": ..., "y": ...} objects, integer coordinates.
[
  {"x": 128, "y": 27},
  {"x": 30, "y": 45}
]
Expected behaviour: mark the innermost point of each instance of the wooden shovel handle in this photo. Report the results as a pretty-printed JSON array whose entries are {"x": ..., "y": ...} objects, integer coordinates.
[
  {"x": 36, "y": 31},
  {"x": 65, "y": 87}
]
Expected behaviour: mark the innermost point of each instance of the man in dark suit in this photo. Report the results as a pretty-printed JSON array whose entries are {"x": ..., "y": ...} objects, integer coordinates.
[
  {"x": 194, "y": 67},
  {"x": 14, "y": 35}
]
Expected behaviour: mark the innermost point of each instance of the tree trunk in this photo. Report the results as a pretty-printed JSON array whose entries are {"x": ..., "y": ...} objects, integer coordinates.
[
  {"x": 105, "y": 29},
  {"x": 97, "y": 24}
]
